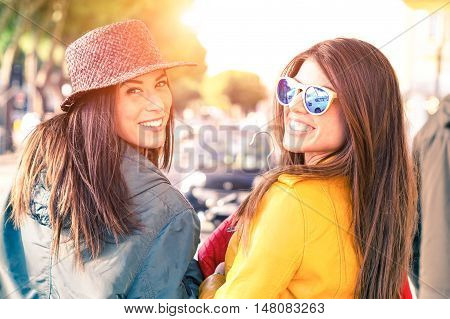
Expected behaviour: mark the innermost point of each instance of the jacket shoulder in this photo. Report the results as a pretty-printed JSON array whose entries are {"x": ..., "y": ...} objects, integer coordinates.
[
  {"x": 150, "y": 192},
  {"x": 319, "y": 196},
  {"x": 303, "y": 184}
]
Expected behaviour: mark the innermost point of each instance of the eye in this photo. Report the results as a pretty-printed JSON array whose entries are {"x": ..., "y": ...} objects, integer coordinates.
[
  {"x": 134, "y": 91},
  {"x": 162, "y": 83}
]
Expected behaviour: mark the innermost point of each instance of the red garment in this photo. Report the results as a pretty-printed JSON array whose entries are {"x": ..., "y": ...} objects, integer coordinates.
[
  {"x": 212, "y": 253},
  {"x": 406, "y": 290},
  {"x": 213, "y": 250}
]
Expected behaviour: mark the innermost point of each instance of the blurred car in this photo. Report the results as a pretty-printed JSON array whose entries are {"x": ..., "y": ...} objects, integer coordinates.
[
  {"x": 218, "y": 194},
  {"x": 227, "y": 167}
]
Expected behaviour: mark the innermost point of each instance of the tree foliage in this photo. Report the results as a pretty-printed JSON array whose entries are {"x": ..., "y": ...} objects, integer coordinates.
[
  {"x": 234, "y": 87},
  {"x": 56, "y": 23}
]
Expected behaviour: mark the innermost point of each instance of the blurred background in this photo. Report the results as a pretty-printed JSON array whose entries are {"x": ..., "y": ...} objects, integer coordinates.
[{"x": 240, "y": 47}]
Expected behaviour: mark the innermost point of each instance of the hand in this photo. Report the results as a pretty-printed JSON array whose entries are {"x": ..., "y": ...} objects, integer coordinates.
[{"x": 220, "y": 269}]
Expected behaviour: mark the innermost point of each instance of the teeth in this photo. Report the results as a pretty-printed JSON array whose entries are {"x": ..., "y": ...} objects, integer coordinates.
[
  {"x": 152, "y": 123},
  {"x": 300, "y": 127}
]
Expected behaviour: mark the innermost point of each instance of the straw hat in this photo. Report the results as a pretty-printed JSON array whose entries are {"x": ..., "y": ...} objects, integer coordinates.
[{"x": 110, "y": 55}]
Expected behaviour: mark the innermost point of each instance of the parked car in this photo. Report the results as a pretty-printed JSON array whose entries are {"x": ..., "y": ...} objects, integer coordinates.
[
  {"x": 218, "y": 194},
  {"x": 226, "y": 174}
]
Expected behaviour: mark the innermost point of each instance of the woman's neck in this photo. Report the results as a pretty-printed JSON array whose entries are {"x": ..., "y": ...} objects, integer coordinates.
[
  {"x": 313, "y": 158},
  {"x": 140, "y": 150}
]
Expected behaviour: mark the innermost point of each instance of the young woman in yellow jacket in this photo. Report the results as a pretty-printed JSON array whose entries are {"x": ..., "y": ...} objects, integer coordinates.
[{"x": 336, "y": 219}]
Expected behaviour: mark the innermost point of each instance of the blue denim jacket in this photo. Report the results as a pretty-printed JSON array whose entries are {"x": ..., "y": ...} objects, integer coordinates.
[{"x": 154, "y": 263}]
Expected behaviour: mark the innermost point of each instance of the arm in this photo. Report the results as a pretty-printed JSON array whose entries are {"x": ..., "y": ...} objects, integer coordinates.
[
  {"x": 275, "y": 249},
  {"x": 209, "y": 286},
  {"x": 212, "y": 252},
  {"x": 169, "y": 270},
  {"x": 192, "y": 280}
]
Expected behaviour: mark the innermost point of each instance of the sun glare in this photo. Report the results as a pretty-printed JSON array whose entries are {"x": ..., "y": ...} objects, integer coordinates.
[{"x": 262, "y": 36}]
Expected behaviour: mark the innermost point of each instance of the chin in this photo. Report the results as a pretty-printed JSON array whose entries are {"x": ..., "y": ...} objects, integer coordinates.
[
  {"x": 154, "y": 142},
  {"x": 293, "y": 146},
  {"x": 153, "y": 145}
]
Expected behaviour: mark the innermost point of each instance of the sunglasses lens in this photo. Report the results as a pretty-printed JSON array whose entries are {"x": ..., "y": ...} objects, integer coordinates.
[
  {"x": 285, "y": 92},
  {"x": 316, "y": 99}
]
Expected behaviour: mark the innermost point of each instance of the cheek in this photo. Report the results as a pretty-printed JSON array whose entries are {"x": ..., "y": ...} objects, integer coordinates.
[
  {"x": 125, "y": 117},
  {"x": 167, "y": 100},
  {"x": 332, "y": 129},
  {"x": 285, "y": 116}
]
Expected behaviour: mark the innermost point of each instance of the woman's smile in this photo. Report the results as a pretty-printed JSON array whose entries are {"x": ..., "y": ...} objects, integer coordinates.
[
  {"x": 298, "y": 126},
  {"x": 154, "y": 125}
]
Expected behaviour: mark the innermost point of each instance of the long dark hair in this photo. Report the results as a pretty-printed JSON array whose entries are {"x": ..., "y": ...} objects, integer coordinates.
[
  {"x": 375, "y": 157},
  {"x": 81, "y": 154}
]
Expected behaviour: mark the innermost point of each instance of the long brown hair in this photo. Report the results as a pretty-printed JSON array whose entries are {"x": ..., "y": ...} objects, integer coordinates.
[
  {"x": 375, "y": 157},
  {"x": 80, "y": 153}
]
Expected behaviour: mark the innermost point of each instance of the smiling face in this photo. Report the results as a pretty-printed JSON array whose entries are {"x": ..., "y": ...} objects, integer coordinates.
[
  {"x": 314, "y": 135},
  {"x": 143, "y": 109}
]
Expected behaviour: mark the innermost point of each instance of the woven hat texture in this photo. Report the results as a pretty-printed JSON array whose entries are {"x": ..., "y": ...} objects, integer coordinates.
[{"x": 110, "y": 55}]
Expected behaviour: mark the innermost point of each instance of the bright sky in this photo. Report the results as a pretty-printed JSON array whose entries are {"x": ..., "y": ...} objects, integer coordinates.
[{"x": 262, "y": 36}]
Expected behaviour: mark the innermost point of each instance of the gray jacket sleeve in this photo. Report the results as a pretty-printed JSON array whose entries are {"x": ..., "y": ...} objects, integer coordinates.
[{"x": 169, "y": 270}]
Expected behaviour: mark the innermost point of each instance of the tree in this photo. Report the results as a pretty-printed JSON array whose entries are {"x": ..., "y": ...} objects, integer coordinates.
[
  {"x": 184, "y": 90},
  {"x": 40, "y": 30},
  {"x": 163, "y": 19},
  {"x": 59, "y": 22},
  {"x": 245, "y": 89},
  {"x": 234, "y": 87}
]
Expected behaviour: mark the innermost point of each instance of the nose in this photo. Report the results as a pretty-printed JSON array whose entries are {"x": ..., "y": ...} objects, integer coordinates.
[
  {"x": 298, "y": 105},
  {"x": 154, "y": 103}
]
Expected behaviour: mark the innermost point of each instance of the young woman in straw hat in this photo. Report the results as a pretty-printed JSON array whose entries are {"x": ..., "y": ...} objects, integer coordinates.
[
  {"x": 336, "y": 219},
  {"x": 95, "y": 216}
]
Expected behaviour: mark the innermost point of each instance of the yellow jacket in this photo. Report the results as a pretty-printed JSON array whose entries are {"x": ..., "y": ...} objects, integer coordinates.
[{"x": 301, "y": 244}]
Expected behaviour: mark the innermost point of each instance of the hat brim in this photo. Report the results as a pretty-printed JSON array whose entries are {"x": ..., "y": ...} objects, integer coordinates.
[{"x": 71, "y": 99}]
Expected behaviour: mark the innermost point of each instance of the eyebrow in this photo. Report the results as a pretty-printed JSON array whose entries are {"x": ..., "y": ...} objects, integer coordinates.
[
  {"x": 131, "y": 81},
  {"x": 160, "y": 77},
  {"x": 140, "y": 82}
]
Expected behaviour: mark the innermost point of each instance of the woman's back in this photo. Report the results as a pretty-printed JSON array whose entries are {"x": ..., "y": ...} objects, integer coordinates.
[
  {"x": 301, "y": 244},
  {"x": 137, "y": 267}
]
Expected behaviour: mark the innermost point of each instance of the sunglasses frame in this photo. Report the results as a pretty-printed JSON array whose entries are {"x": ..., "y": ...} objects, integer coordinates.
[{"x": 332, "y": 95}]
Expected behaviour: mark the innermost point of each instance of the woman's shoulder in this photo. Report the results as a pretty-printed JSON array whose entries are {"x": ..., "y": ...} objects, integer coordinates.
[
  {"x": 149, "y": 188},
  {"x": 305, "y": 186},
  {"x": 293, "y": 180},
  {"x": 153, "y": 198},
  {"x": 319, "y": 194},
  {"x": 159, "y": 203},
  {"x": 160, "y": 207},
  {"x": 280, "y": 202}
]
